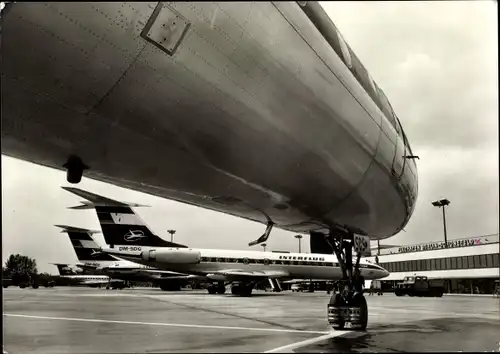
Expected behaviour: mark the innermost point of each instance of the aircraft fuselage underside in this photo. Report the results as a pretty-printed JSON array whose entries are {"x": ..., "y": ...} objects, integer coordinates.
[{"x": 243, "y": 108}]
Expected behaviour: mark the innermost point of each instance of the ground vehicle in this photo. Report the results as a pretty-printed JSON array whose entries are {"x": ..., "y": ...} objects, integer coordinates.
[
  {"x": 27, "y": 280},
  {"x": 6, "y": 282},
  {"x": 420, "y": 286},
  {"x": 21, "y": 280}
]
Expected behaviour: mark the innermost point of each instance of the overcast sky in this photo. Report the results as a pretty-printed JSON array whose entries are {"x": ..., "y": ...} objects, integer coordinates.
[{"x": 436, "y": 61}]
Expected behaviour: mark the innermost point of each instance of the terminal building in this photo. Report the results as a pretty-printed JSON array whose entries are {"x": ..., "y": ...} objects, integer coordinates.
[{"x": 466, "y": 265}]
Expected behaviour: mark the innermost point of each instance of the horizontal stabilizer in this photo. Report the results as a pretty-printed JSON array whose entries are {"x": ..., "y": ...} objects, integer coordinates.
[
  {"x": 67, "y": 228},
  {"x": 97, "y": 200}
]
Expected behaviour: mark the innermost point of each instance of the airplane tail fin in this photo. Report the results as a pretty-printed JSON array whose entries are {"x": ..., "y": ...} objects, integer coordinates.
[
  {"x": 119, "y": 223},
  {"x": 85, "y": 247}
]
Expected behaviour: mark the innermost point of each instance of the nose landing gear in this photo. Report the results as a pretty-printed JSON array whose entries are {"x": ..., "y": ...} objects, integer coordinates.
[{"x": 347, "y": 304}]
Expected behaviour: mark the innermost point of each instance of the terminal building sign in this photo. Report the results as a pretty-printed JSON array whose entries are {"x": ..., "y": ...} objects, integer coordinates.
[{"x": 440, "y": 245}]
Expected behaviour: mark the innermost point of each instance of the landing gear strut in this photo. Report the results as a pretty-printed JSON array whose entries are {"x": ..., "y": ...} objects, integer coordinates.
[{"x": 347, "y": 303}]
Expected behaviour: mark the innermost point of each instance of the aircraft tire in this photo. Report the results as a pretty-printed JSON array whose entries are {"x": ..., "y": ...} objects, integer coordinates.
[
  {"x": 359, "y": 301},
  {"x": 334, "y": 316},
  {"x": 221, "y": 289},
  {"x": 246, "y": 290},
  {"x": 212, "y": 290}
]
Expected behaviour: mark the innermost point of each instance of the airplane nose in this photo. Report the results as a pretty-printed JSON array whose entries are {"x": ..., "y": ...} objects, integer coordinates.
[{"x": 385, "y": 272}]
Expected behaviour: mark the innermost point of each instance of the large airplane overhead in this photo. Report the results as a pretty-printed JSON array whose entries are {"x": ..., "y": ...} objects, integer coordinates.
[
  {"x": 256, "y": 109},
  {"x": 259, "y": 110}
]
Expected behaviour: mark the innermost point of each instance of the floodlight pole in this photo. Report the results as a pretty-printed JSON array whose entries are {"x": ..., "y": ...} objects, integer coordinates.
[
  {"x": 442, "y": 204},
  {"x": 444, "y": 227},
  {"x": 171, "y": 232},
  {"x": 299, "y": 237}
]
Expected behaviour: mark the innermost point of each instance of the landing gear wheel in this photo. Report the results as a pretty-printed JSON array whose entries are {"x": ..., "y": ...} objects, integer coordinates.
[
  {"x": 359, "y": 315},
  {"x": 212, "y": 289},
  {"x": 246, "y": 290},
  {"x": 236, "y": 290},
  {"x": 242, "y": 290},
  {"x": 335, "y": 311},
  {"x": 221, "y": 289}
]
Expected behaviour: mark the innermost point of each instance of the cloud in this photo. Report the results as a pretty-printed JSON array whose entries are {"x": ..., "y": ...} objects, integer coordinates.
[{"x": 436, "y": 61}]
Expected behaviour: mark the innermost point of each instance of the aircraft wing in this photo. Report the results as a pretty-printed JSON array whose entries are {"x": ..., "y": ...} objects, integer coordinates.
[
  {"x": 297, "y": 281},
  {"x": 158, "y": 271},
  {"x": 242, "y": 275},
  {"x": 165, "y": 274}
]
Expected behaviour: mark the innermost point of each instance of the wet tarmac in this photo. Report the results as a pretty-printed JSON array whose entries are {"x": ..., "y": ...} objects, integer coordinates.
[{"x": 83, "y": 320}]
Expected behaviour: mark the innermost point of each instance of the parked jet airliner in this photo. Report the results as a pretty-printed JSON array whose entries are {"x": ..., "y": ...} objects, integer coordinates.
[
  {"x": 92, "y": 280},
  {"x": 242, "y": 268},
  {"x": 87, "y": 252}
]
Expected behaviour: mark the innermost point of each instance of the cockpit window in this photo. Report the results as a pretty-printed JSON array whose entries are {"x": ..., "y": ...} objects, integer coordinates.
[
  {"x": 385, "y": 106},
  {"x": 399, "y": 127},
  {"x": 345, "y": 51},
  {"x": 407, "y": 143}
]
